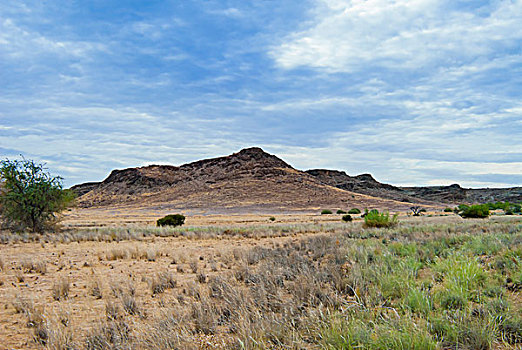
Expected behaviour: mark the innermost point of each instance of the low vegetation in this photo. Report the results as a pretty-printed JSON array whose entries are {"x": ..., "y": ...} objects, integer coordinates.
[
  {"x": 171, "y": 220},
  {"x": 373, "y": 218},
  {"x": 414, "y": 286},
  {"x": 417, "y": 210},
  {"x": 326, "y": 212},
  {"x": 354, "y": 211},
  {"x": 507, "y": 207},
  {"x": 473, "y": 211},
  {"x": 347, "y": 218}
]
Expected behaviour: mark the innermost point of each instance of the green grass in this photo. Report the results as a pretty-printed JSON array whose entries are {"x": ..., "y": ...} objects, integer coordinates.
[{"x": 432, "y": 287}]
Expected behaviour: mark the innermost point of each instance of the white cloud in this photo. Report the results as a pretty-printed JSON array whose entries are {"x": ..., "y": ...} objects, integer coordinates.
[
  {"x": 346, "y": 35},
  {"x": 19, "y": 43}
]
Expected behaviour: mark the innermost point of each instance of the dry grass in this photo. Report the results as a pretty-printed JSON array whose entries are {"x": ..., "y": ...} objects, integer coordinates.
[
  {"x": 61, "y": 289},
  {"x": 30, "y": 266},
  {"x": 161, "y": 282},
  {"x": 95, "y": 289},
  {"x": 250, "y": 289}
]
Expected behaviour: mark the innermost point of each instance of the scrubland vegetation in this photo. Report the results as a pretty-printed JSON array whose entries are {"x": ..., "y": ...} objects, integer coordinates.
[{"x": 338, "y": 286}]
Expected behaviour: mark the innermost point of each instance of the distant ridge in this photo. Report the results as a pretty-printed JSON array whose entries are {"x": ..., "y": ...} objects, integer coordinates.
[
  {"x": 253, "y": 178},
  {"x": 366, "y": 184}
]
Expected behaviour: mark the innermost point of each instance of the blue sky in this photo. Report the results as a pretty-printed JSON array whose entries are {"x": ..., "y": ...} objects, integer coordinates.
[{"x": 416, "y": 92}]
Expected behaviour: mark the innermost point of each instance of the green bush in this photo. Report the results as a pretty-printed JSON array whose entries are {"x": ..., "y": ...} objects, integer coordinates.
[
  {"x": 340, "y": 211},
  {"x": 354, "y": 211},
  {"x": 507, "y": 207},
  {"x": 326, "y": 211},
  {"x": 375, "y": 219},
  {"x": 171, "y": 220},
  {"x": 474, "y": 211},
  {"x": 448, "y": 210},
  {"x": 347, "y": 218},
  {"x": 272, "y": 218}
]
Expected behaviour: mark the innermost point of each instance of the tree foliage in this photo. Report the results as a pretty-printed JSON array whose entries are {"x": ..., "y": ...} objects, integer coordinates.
[
  {"x": 30, "y": 197},
  {"x": 473, "y": 211},
  {"x": 171, "y": 220},
  {"x": 347, "y": 218}
]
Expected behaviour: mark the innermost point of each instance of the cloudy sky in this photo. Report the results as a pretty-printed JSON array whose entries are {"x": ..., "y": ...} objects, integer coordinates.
[{"x": 416, "y": 92}]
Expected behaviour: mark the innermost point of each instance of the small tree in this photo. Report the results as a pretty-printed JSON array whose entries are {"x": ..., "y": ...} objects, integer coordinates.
[
  {"x": 30, "y": 198},
  {"x": 416, "y": 210},
  {"x": 171, "y": 220}
]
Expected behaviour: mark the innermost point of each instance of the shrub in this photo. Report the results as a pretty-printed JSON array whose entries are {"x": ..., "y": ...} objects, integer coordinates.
[
  {"x": 347, "y": 218},
  {"x": 354, "y": 211},
  {"x": 161, "y": 282},
  {"x": 340, "y": 211},
  {"x": 326, "y": 211},
  {"x": 376, "y": 219},
  {"x": 416, "y": 210},
  {"x": 366, "y": 212},
  {"x": 474, "y": 211},
  {"x": 272, "y": 218},
  {"x": 61, "y": 289},
  {"x": 448, "y": 210},
  {"x": 171, "y": 220},
  {"x": 30, "y": 198}
]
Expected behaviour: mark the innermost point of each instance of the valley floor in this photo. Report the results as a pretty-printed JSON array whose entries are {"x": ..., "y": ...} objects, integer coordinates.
[{"x": 302, "y": 281}]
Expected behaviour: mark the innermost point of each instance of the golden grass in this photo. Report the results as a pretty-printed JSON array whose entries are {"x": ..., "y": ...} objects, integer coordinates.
[{"x": 132, "y": 285}]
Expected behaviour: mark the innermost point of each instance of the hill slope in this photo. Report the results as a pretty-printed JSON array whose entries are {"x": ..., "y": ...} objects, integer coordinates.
[
  {"x": 366, "y": 184},
  {"x": 250, "y": 178},
  {"x": 255, "y": 179}
]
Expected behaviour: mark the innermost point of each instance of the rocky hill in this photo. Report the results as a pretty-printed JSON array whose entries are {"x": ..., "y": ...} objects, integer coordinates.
[
  {"x": 255, "y": 179},
  {"x": 456, "y": 194},
  {"x": 453, "y": 194},
  {"x": 365, "y": 184},
  {"x": 250, "y": 178}
]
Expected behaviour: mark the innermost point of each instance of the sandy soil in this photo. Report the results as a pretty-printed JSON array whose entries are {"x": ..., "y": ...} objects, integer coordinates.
[
  {"x": 86, "y": 262},
  {"x": 82, "y": 263}
]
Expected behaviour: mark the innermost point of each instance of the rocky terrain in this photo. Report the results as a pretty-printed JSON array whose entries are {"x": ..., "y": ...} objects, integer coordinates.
[
  {"x": 250, "y": 178},
  {"x": 454, "y": 194},
  {"x": 255, "y": 179}
]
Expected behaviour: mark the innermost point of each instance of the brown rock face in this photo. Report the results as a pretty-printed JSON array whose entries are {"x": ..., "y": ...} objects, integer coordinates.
[
  {"x": 366, "y": 184},
  {"x": 249, "y": 178},
  {"x": 254, "y": 179}
]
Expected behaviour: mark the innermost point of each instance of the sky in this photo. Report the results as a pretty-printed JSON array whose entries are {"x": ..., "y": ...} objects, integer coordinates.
[{"x": 415, "y": 92}]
